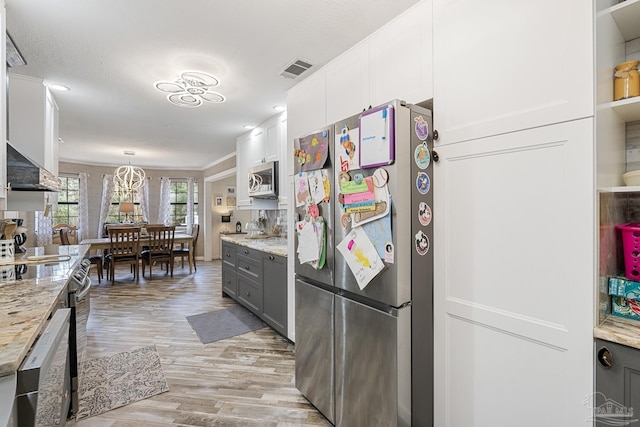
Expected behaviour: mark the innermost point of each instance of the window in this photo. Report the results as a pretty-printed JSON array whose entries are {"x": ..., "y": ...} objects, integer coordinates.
[
  {"x": 114, "y": 211},
  {"x": 68, "y": 197},
  {"x": 178, "y": 201}
]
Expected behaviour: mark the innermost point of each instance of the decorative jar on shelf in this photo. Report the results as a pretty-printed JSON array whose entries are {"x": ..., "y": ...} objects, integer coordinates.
[{"x": 626, "y": 82}]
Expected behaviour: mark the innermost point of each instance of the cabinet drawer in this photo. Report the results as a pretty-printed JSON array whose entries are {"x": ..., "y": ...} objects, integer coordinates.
[
  {"x": 254, "y": 254},
  {"x": 229, "y": 281},
  {"x": 250, "y": 268},
  {"x": 229, "y": 256},
  {"x": 250, "y": 294}
]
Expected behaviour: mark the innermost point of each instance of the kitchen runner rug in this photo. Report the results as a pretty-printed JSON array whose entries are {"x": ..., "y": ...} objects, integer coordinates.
[
  {"x": 224, "y": 323},
  {"x": 114, "y": 381}
]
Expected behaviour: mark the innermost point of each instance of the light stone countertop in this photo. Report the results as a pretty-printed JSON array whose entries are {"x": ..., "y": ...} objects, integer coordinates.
[
  {"x": 272, "y": 245},
  {"x": 26, "y": 304},
  {"x": 619, "y": 330}
]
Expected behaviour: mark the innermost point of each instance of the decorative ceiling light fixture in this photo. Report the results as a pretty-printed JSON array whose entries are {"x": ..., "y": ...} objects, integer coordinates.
[
  {"x": 191, "y": 89},
  {"x": 128, "y": 178}
]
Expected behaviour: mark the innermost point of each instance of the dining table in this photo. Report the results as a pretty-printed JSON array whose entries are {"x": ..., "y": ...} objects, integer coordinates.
[{"x": 105, "y": 243}]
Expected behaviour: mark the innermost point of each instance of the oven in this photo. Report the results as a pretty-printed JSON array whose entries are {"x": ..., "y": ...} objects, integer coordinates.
[
  {"x": 79, "y": 302},
  {"x": 43, "y": 391}
]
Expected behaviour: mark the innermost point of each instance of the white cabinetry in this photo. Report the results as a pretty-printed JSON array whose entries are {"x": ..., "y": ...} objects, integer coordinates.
[
  {"x": 502, "y": 66},
  {"x": 401, "y": 57},
  {"x": 396, "y": 62},
  {"x": 306, "y": 110},
  {"x": 33, "y": 120},
  {"x": 265, "y": 143},
  {"x": 517, "y": 212},
  {"x": 33, "y": 131}
]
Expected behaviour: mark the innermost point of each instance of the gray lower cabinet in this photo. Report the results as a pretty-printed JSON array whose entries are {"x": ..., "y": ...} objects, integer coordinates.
[
  {"x": 617, "y": 383},
  {"x": 229, "y": 262},
  {"x": 229, "y": 281},
  {"x": 258, "y": 281},
  {"x": 274, "y": 285}
]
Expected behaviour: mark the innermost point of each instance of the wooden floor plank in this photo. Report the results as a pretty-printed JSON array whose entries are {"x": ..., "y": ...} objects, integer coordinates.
[{"x": 241, "y": 381}]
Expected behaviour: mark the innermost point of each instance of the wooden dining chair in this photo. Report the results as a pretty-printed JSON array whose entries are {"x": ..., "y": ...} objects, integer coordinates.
[
  {"x": 72, "y": 234},
  {"x": 189, "y": 251},
  {"x": 96, "y": 260},
  {"x": 64, "y": 236},
  {"x": 158, "y": 248},
  {"x": 124, "y": 248}
]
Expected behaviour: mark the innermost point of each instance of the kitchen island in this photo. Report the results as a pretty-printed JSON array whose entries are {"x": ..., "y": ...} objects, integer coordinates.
[{"x": 254, "y": 273}]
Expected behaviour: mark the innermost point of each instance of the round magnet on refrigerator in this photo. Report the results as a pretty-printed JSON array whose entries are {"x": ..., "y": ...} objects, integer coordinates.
[
  {"x": 422, "y": 128},
  {"x": 380, "y": 177},
  {"x": 421, "y": 156},
  {"x": 424, "y": 213},
  {"x": 423, "y": 183},
  {"x": 422, "y": 243}
]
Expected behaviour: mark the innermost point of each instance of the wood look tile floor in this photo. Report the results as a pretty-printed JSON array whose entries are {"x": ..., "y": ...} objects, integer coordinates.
[{"x": 247, "y": 380}]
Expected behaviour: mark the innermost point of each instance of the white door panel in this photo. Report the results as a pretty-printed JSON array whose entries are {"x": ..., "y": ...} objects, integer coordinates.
[
  {"x": 502, "y": 66},
  {"x": 484, "y": 379},
  {"x": 514, "y": 277}
]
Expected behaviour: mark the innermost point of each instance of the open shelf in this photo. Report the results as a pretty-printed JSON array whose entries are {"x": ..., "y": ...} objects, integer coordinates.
[
  {"x": 621, "y": 189},
  {"x": 628, "y": 109},
  {"x": 627, "y": 17}
]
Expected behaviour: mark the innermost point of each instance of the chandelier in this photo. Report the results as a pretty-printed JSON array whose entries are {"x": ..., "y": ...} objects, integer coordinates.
[
  {"x": 191, "y": 89},
  {"x": 127, "y": 178}
]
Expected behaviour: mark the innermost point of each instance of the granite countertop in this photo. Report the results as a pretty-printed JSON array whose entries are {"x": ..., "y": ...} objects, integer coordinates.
[
  {"x": 619, "y": 330},
  {"x": 272, "y": 245},
  {"x": 25, "y": 304}
]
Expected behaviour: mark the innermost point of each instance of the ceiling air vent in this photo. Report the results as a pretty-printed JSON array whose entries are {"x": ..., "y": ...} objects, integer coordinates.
[
  {"x": 294, "y": 69},
  {"x": 13, "y": 54}
]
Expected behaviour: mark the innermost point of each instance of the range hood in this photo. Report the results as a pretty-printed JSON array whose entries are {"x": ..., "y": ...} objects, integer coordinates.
[{"x": 25, "y": 175}]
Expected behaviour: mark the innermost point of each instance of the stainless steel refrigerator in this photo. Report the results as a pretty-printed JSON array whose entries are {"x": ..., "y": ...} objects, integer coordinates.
[{"x": 364, "y": 323}]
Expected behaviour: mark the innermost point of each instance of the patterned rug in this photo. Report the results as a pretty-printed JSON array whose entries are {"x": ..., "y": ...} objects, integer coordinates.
[
  {"x": 114, "y": 381},
  {"x": 225, "y": 323}
]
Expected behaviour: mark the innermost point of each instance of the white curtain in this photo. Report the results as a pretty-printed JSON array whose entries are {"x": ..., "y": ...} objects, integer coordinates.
[
  {"x": 43, "y": 229},
  {"x": 189, "y": 204},
  {"x": 165, "y": 194},
  {"x": 143, "y": 199},
  {"x": 108, "y": 187},
  {"x": 83, "y": 208}
]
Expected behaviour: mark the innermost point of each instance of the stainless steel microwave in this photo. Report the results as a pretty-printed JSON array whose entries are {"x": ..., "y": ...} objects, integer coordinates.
[{"x": 263, "y": 181}]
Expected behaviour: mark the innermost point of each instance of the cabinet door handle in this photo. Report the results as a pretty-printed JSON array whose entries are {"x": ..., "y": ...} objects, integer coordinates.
[
  {"x": 228, "y": 281},
  {"x": 228, "y": 255},
  {"x": 246, "y": 268},
  {"x": 248, "y": 293},
  {"x": 605, "y": 358},
  {"x": 271, "y": 257},
  {"x": 246, "y": 251}
]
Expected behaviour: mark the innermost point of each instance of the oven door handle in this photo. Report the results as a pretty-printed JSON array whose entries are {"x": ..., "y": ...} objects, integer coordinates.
[{"x": 85, "y": 289}]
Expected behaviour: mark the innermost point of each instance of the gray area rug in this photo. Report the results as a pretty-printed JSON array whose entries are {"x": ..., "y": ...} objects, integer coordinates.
[
  {"x": 114, "y": 381},
  {"x": 225, "y": 323}
]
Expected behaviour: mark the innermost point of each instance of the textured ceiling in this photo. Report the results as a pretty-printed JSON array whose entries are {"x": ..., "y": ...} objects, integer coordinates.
[{"x": 110, "y": 52}]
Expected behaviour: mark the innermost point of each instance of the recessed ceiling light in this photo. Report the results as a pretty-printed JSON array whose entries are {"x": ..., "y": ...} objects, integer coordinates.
[
  {"x": 279, "y": 108},
  {"x": 248, "y": 127},
  {"x": 62, "y": 88}
]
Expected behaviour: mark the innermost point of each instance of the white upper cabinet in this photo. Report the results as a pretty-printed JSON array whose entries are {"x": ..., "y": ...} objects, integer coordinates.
[
  {"x": 396, "y": 62},
  {"x": 265, "y": 143},
  {"x": 348, "y": 84},
  {"x": 283, "y": 173},
  {"x": 306, "y": 110},
  {"x": 33, "y": 121},
  {"x": 501, "y": 66},
  {"x": 401, "y": 58}
]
